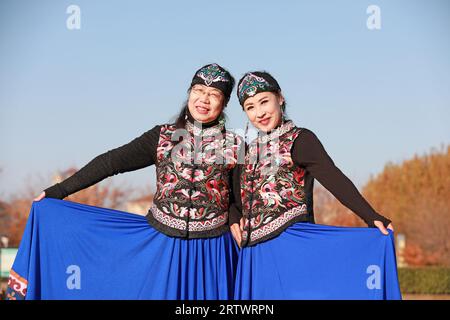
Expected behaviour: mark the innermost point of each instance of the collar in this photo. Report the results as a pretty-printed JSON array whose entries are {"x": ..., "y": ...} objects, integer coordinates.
[
  {"x": 285, "y": 127},
  {"x": 197, "y": 128}
]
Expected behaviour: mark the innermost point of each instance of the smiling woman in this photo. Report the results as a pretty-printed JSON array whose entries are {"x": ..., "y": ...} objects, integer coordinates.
[
  {"x": 205, "y": 104},
  {"x": 274, "y": 200},
  {"x": 208, "y": 97},
  {"x": 263, "y": 110},
  {"x": 188, "y": 219}
]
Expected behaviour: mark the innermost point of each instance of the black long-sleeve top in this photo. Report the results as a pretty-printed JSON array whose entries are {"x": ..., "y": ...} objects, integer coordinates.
[
  {"x": 137, "y": 154},
  {"x": 309, "y": 153}
]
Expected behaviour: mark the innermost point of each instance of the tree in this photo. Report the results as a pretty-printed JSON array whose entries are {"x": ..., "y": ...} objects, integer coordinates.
[
  {"x": 328, "y": 210},
  {"x": 15, "y": 213},
  {"x": 415, "y": 195}
]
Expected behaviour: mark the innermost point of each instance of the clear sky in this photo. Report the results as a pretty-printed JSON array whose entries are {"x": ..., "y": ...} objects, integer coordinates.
[{"x": 371, "y": 96}]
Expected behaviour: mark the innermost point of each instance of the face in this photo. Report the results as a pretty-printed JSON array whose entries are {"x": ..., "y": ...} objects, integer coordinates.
[
  {"x": 264, "y": 110},
  {"x": 205, "y": 103}
]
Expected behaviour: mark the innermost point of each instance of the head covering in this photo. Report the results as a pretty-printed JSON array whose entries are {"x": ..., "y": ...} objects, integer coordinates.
[
  {"x": 255, "y": 82},
  {"x": 213, "y": 75}
]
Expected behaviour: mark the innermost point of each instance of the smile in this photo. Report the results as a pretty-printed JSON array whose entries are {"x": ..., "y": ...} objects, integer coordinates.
[
  {"x": 201, "y": 110},
  {"x": 264, "y": 121}
]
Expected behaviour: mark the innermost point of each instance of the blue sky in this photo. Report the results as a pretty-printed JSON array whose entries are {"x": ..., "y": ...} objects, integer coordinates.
[{"x": 371, "y": 96}]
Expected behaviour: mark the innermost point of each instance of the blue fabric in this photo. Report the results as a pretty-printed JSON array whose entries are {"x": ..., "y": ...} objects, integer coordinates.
[
  {"x": 311, "y": 261},
  {"x": 75, "y": 251}
]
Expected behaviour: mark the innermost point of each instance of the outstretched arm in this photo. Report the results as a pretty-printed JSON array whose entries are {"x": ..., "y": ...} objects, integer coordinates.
[
  {"x": 137, "y": 154},
  {"x": 309, "y": 153}
]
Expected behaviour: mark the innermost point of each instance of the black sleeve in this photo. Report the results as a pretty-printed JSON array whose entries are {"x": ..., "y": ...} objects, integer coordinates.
[
  {"x": 308, "y": 152},
  {"x": 235, "y": 212},
  {"x": 137, "y": 154}
]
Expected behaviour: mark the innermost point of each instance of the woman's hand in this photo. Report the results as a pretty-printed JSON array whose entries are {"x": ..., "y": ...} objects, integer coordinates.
[
  {"x": 236, "y": 231},
  {"x": 40, "y": 197},
  {"x": 380, "y": 226}
]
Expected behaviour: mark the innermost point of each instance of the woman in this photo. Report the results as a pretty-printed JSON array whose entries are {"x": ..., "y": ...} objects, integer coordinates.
[
  {"x": 194, "y": 159},
  {"x": 276, "y": 194}
]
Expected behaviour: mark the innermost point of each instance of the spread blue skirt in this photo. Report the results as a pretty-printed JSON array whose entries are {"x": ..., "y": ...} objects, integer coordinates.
[
  {"x": 311, "y": 261},
  {"x": 75, "y": 251}
]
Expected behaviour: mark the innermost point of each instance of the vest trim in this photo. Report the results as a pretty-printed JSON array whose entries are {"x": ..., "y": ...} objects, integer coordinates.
[
  {"x": 280, "y": 221},
  {"x": 171, "y": 230}
]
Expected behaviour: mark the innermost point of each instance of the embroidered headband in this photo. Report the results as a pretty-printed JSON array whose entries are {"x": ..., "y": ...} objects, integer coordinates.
[
  {"x": 255, "y": 82},
  {"x": 213, "y": 75}
]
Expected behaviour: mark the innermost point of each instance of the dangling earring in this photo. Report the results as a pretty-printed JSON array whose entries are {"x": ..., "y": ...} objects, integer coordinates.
[
  {"x": 185, "y": 114},
  {"x": 246, "y": 132},
  {"x": 222, "y": 120},
  {"x": 283, "y": 116}
]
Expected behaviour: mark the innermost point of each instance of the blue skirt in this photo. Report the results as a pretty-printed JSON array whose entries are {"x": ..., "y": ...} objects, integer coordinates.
[
  {"x": 75, "y": 251},
  {"x": 311, "y": 261}
]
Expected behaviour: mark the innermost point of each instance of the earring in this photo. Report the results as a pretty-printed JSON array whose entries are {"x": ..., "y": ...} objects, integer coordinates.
[
  {"x": 283, "y": 115},
  {"x": 246, "y": 132},
  {"x": 222, "y": 120}
]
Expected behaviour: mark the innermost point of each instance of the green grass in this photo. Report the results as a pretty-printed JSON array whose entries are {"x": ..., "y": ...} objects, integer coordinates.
[{"x": 425, "y": 280}]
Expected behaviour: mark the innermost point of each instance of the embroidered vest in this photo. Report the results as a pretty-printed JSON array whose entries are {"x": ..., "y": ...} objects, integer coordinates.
[
  {"x": 193, "y": 180},
  {"x": 272, "y": 186}
]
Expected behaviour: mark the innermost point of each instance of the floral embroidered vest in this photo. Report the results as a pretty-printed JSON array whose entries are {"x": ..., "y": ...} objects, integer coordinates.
[
  {"x": 193, "y": 171},
  {"x": 272, "y": 186}
]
